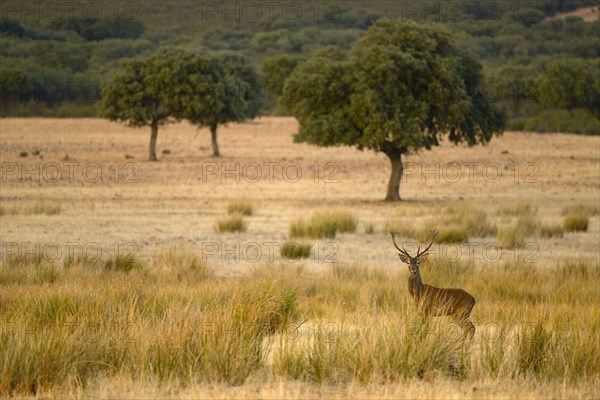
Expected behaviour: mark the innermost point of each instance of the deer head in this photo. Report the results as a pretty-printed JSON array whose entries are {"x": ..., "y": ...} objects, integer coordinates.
[{"x": 413, "y": 262}]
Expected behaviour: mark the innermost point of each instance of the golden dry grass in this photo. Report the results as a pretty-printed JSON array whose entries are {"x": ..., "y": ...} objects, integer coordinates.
[{"x": 144, "y": 208}]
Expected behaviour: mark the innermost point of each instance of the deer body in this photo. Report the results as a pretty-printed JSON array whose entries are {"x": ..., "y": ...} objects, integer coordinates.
[{"x": 433, "y": 301}]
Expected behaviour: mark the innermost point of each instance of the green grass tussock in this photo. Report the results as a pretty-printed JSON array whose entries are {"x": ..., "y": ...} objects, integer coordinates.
[
  {"x": 39, "y": 208},
  {"x": 324, "y": 224},
  {"x": 516, "y": 235},
  {"x": 295, "y": 251},
  {"x": 551, "y": 231},
  {"x": 233, "y": 223},
  {"x": 576, "y": 222},
  {"x": 242, "y": 207}
]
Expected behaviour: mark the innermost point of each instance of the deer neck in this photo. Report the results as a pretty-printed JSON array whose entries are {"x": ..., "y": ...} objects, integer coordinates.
[{"x": 415, "y": 286}]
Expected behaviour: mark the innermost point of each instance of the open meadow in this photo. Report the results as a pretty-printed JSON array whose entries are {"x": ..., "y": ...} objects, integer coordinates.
[{"x": 268, "y": 272}]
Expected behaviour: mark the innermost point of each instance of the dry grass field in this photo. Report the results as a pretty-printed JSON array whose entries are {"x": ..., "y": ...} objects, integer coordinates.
[{"x": 125, "y": 278}]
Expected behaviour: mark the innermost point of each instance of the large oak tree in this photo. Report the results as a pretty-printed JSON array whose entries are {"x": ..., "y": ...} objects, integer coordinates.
[{"x": 403, "y": 87}]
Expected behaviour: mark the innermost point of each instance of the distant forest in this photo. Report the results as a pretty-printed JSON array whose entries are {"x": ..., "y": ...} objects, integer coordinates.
[{"x": 55, "y": 55}]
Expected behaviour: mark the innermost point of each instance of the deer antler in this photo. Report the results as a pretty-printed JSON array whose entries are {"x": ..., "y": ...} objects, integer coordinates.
[
  {"x": 433, "y": 235},
  {"x": 393, "y": 233}
]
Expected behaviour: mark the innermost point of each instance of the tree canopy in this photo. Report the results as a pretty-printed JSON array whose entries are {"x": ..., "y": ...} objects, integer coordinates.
[
  {"x": 173, "y": 85},
  {"x": 167, "y": 87},
  {"x": 571, "y": 84},
  {"x": 238, "y": 95},
  {"x": 402, "y": 88}
]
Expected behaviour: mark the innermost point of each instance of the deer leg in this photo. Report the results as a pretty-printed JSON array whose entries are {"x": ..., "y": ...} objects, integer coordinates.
[{"x": 464, "y": 320}]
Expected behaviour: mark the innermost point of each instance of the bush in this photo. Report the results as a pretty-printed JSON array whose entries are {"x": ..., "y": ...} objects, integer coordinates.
[
  {"x": 234, "y": 223},
  {"x": 576, "y": 222},
  {"x": 294, "y": 251}
]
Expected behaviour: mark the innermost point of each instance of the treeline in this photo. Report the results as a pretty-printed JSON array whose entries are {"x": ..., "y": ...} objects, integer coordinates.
[{"x": 54, "y": 61}]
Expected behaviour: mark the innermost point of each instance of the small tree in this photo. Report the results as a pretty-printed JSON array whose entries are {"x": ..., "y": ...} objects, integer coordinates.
[
  {"x": 571, "y": 84},
  {"x": 404, "y": 86},
  {"x": 165, "y": 88},
  {"x": 238, "y": 95}
]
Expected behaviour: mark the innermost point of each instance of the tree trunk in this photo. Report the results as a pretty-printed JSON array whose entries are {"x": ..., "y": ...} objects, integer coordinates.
[
  {"x": 153, "y": 138},
  {"x": 215, "y": 145},
  {"x": 393, "y": 190}
]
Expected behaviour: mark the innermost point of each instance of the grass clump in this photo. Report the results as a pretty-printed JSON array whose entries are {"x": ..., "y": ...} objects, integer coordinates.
[
  {"x": 370, "y": 229},
  {"x": 184, "y": 264},
  {"x": 295, "y": 251},
  {"x": 123, "y": 263},
  {"x": 551, "y": 231},
  {"x": 457, "y": 225},
  {"x": 576, "y": 222},
  {"x": 516, "y": 235},
  {"x": 233, "y": 223},
  {"x": 517, "y": 210},
  {"x": 41, "y": 208},
  {"x": 324, "y": 225},
  {"x": 242, "y": 207}
]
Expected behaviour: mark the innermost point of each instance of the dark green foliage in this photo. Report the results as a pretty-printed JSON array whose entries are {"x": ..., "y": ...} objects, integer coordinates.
[
  {"x": 276, "y": 70},
  {"x": 169, "y": 86},
  {"x": 100, "y": 29},
  {"x": 571, "y": 84},
  {"x": 504, "y": 35},
  {"x": 11, "y": 27},
  {"x": 238, "y": 96},
  {"x": 402, "y": 88}
]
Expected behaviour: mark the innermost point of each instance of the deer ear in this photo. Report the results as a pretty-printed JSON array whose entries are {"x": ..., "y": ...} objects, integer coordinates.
[
  {"x": 404, "y": 258},
  {"x": 423, "y": 258}
]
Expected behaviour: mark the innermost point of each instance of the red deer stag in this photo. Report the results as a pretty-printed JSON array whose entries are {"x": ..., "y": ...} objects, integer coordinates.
[{"x": 436, "y": 301}]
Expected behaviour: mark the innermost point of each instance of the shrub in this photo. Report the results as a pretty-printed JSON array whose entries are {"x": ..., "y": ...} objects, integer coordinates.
[
  {"x": 294, "y": 251},
  {"x": 576, "y": 222},
  {"x": 234, "y": 223}
]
